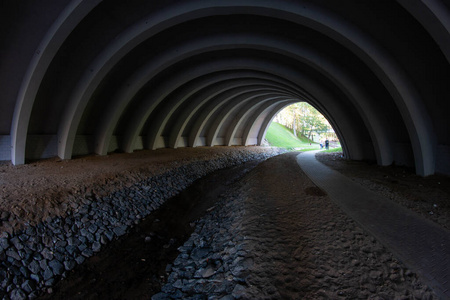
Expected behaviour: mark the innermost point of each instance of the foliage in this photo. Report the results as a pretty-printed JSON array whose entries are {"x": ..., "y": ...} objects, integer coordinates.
[
  {"x": 279, "y": 136},
  {"x": 305, "y": 120}
]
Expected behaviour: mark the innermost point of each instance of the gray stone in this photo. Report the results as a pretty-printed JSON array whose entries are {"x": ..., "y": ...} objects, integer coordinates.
[
  {"x": 168, "y": 288},
  {"x": 71, "y": 249},
  {"x": 50, "y": 282},
  {"x": 23, "y": 237},
  {"x": 4, "y": 243},
  {"x": 178, "y": 295},
  {"x": 70, "y": 264},
  {"x": 90, "y": 237},
  {"x": 204, "y": 272},
  {"x": 82, "y": 239},
  {"x": 18, "y": 294},
  {"x": 93, "y": 228},
  {"x": 80, "y": 259},
  {"x": 36, "y": 278},
  {"x": 43, "y": 264},
  {"x": 13, "y": 254},
  {"x": 31, "y": 245},
  {"x": 61, "y": 244},
  {"x": 16, "y": 242},
  {"x": 121, "y": 230},
  {"x": 160, "y": 296},
  {"x": 178, "y": 284},
  {"x": 238, "y": 291},
  {"x": 29, "y": 286},
  {"x": 47, "y": 253},
  {"x": 199, "y": 253},
  {"x": 59, "y": 256},
  {"x": 56, "y": 266},
  {"x": 47, "y": 241},
  {"x": 103, "y": 239},
  {"x": 87, "y": 252},
  {"x": 34, "y": 267},
  {"x": 48, "y": 273},
  {"x": 25, "y": 272},
  {"x": 96, "y": 246},
  {"x": 109, "y": 235}
]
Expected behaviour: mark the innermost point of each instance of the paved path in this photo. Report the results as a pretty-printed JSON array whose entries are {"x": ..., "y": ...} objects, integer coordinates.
[{"x": 421, "y": 244}]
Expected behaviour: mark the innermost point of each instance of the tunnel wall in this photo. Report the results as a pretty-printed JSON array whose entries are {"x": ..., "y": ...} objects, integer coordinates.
[{"x": 89, "y": 77}]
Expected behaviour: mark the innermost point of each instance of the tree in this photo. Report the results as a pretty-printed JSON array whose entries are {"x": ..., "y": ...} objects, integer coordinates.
[{"x": 303, "y": 119}]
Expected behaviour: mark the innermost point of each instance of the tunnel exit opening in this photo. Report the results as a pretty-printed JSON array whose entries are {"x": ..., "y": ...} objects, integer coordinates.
[{"x": 302, "y": 127}]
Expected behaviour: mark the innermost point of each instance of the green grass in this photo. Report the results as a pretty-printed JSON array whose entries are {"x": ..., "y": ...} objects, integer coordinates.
[
  {"x": 279, "y": 136},
  {"x": 339, "y": 149}
]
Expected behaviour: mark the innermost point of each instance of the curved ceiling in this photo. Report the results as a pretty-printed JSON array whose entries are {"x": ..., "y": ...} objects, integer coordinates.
[{"x": 90, "y": 76}]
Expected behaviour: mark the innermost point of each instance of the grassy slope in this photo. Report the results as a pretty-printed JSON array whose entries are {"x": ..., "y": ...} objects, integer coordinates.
[
  {"x": 279, "y": 136},
  {"x": 339, "y": 149}
]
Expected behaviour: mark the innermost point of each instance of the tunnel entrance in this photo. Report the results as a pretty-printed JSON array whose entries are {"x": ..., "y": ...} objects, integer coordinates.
[{"x": 300, "y": 126}]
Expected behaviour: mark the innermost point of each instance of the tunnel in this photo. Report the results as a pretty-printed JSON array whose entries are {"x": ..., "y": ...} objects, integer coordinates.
[
  {"x": 93, "y": 77},
  {"x": 109, "y": 110}
]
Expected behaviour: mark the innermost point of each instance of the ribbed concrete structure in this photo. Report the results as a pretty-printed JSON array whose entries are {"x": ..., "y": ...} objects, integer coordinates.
[{"x": 90, "y": 76}]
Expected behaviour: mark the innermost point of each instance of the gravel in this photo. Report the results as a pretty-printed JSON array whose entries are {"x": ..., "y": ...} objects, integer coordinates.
[
  {"x": 268, "y": 237},
  {"x": 34, "y": 259}
]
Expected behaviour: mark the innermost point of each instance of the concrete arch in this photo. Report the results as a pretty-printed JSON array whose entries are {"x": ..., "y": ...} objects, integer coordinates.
[
  {"x": 435, "y": 18},
  {"x": 267, "y": 119},
  {"x": 158, "y": 95},
  {"x": 376, "y": 62},
  {"x": 61, "y": 28},
  {"x": 171, "y": 104},
  {"x": 207, "y": 113},
  {"x": 291, "y": 75},
  {"x": 230, "y": 109},
  {"x": 248, "y": 109},
  {"x": 254, "y": 124},
  {"x": 205, "y": 97},
  {"x": 164, "y": 114},
  {"x": 379, "y": 134},
  {"x": 130, "y": 88},
  {"x": 383, "y": 65},
  {"x": 186, "y": 115}
]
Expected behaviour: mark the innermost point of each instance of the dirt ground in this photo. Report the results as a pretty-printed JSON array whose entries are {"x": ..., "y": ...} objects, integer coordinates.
[
  {"x": 35, "y": 191},
  {"x": 428, "y": 196},
  {"x": 278, "y": 236},
  {"x": 32, "y": 192},
  {"x": 303, "y": 246}
]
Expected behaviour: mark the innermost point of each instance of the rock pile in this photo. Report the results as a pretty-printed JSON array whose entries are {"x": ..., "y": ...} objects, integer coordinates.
[
  {"x": 34, "y": 259},
  {"x": 212, "y": 262},
  {"x": 276, "y": 236}
]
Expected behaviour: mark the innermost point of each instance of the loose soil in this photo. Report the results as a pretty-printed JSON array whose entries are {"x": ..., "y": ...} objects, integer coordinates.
[
  {"x": 303, "y": 246},
  {"x": 38, "y": 190}
]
